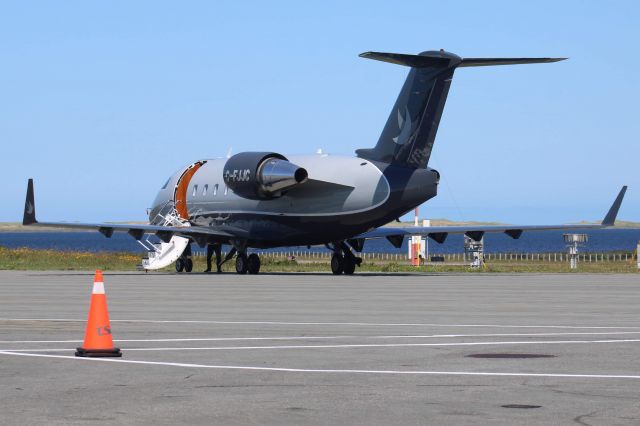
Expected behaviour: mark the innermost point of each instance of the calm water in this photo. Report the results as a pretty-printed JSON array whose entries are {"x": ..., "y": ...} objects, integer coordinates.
[{"x": 533, "y": 242}]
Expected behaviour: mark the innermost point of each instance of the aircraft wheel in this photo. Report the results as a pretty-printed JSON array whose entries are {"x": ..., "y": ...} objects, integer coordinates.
[
  {"x": 337, "y": 264},
  {"x": 179, "y": 265},
  {"x": 253, "y": 263},
  {"x": 188, "y": 265},
  {"x": 349, "y": 266},
  {"x": 242, "y": 263}
]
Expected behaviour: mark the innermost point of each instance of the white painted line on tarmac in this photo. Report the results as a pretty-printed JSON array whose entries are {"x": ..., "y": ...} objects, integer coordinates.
[
  {"x": 40, "y": 350},
  {"x": 205, "y": 339},
  {"x": 388, "y": 345},
  {"x": 42, "y": 341},
  {"x": 595, "y": 333},
  {"x": 350, "y": 346},
  {"x": 325, "y": 323},
  {"x": 398, "y": 336},
  {"x": 329, "y": 371}
]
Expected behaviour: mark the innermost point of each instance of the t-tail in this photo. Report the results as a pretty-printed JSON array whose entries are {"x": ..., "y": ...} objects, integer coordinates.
[{"x": 408, "y": 136}]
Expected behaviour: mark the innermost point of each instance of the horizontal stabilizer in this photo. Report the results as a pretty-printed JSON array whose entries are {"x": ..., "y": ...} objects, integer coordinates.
[
  {"x": 444, "y": 59},
  {"x": 485, "y": 62},
  {"x": 414, "y": 61}
]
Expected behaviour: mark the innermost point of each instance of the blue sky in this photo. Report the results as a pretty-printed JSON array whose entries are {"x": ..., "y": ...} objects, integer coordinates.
[{"x": 102, "y": 101}]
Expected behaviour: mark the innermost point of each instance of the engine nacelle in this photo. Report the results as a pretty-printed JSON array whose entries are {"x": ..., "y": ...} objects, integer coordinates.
[{"x": 261, "y": 175}]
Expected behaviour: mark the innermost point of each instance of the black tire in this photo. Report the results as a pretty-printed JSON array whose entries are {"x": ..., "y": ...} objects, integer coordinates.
[
  {"x": 337, "y": 264},
  {"x": 241, "y": 263},
  {"x": 188, "y": 265},
  {"x": 179, "y": 265},
  {"x": 348, "y": 266},
  {"x": 253, "y": 264}
]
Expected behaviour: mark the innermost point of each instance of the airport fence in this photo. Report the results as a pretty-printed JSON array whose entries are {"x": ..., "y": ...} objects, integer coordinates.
[{"x": 450, "y": 257}]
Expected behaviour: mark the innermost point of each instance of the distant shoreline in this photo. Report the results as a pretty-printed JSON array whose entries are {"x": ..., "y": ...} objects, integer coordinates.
[{"x": 18, "y": 227}]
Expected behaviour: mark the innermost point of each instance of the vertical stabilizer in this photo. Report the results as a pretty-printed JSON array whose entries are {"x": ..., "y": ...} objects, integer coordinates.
[{"x": 408, "y": 136}]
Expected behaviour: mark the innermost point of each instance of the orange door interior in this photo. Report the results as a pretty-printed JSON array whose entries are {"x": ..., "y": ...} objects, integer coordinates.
[{"x": 180, "y": 193}]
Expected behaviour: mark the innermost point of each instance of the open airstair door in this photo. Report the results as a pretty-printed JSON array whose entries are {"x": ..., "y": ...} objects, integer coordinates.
[
  {"x": 163, "y": 254},
  {"x": 180, "y": 193}
]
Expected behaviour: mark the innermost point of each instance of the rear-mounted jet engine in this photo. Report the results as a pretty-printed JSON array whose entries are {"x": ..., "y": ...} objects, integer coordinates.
[{"x": 261, "y": 175}]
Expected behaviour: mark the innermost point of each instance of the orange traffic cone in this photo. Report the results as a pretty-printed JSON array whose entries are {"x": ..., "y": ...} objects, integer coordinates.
[{"x": 97, "y": 337}]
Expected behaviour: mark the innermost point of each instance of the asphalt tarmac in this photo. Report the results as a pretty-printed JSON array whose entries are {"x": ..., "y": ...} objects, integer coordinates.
[{"x": 318, "y": 349}]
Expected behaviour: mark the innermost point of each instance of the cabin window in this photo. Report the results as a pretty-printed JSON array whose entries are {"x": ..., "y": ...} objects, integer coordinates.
[
  {"x": 195, "y": 190},
  {"x": 215, "y": 189},
  {"x": 204, "y": 190}
]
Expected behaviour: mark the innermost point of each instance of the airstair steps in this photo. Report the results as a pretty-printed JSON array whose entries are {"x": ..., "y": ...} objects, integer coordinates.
[{"x": 162, "y": 254}]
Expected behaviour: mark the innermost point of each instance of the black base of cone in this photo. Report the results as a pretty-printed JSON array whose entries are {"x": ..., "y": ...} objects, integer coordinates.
[{"x": 98, "y": 353}]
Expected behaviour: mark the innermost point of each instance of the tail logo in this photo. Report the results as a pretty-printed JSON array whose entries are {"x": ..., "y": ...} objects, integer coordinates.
[
  {"x": 29, "y": 207},
  {"x": 405, "y": 125}
]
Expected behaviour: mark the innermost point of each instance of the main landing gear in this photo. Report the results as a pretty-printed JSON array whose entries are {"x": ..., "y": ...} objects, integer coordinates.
[
  {"x": 185, "y": 265},
  {"x": 250, "y": 264},
  {"x": 343, "y": 260},
  {"x": 184, "y": 262},
  {"x": 244, "y": 263}
]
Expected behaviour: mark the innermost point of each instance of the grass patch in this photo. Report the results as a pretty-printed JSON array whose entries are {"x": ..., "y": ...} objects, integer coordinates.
[
  {"x": 54, "y": 260},
  {"x": 44, "y": 260}
]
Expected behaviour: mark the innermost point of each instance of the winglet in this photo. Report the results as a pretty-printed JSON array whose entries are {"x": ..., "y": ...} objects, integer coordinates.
[
  {"x": 29, "y": 217},
  {"x": 610, "y": 218}
]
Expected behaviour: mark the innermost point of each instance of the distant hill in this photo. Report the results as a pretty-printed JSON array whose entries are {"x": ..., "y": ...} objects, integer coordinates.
[{"x": 619, "y": 224}]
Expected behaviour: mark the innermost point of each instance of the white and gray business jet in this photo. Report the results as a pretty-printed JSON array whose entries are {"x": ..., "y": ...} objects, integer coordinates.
[{"x": 265, "y": 199}]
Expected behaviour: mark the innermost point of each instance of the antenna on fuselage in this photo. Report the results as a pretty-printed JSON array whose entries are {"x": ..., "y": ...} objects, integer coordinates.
[{"x": 229, "y": 152}]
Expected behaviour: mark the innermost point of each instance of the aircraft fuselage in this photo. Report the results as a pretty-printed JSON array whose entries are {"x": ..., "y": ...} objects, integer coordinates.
[{"x": 343, "y": 197}]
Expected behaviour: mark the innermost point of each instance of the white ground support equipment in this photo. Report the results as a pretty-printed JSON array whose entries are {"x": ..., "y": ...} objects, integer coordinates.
[
  {"x": 474, "y": 251},
  {"x": 164, "y": 254},
  {"x": 573, "y": 241}
]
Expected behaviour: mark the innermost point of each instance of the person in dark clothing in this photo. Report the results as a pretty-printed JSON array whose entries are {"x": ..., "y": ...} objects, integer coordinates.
[
  {"x": 211, "y": 249},
  {"x": 209, "y": 256}
]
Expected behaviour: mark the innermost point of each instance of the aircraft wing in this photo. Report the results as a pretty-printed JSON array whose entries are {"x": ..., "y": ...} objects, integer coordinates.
[
  {"x": 200, "y": 234},
  {"x": 395, "y": 235}
]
